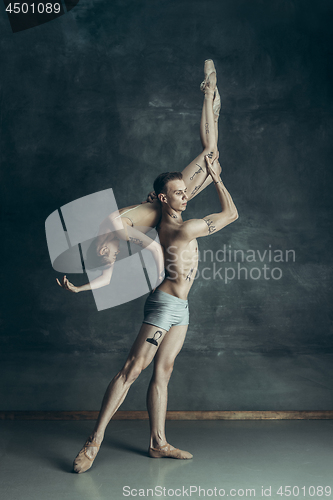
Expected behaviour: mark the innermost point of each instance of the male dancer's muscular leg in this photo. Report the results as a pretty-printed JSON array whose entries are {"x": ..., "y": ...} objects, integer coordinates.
[
  {"x": 157, "y": 396},
  {"x": 140, "y": 356}
]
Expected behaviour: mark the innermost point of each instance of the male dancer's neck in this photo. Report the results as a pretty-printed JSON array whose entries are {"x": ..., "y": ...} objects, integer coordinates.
[{"x": 171, "y": 214}]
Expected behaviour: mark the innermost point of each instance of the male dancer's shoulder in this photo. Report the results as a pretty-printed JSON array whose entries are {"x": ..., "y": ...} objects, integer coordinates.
[{"x": 192, "y": 229}]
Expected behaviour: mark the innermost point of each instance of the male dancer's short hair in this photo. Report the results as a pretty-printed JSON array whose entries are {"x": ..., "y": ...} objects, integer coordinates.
[{"x": 162, "y": 180}]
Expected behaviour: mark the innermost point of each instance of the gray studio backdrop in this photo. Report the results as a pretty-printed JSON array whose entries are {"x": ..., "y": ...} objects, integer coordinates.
[{"x": 107, "y": 96}]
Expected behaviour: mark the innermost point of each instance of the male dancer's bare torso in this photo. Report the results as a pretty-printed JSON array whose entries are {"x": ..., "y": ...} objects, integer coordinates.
[{"x": 180, "y": 259}]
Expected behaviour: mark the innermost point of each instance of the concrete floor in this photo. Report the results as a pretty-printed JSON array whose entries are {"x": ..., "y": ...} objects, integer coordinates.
[{"x": 36, "y": 460}]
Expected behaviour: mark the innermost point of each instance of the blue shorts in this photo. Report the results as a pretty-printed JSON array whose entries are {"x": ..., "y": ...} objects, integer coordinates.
[{"x": 165, "y": 310}]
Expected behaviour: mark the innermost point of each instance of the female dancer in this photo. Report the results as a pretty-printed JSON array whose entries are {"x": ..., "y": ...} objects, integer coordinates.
[{"x": 131, "y": 223}]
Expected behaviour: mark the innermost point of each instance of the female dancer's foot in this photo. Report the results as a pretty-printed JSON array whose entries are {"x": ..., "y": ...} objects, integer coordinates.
[{"x": 209, "y": 84}]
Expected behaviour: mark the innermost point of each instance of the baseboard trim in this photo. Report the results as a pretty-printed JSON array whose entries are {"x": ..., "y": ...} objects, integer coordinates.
[{"x": 171, "y": 415}]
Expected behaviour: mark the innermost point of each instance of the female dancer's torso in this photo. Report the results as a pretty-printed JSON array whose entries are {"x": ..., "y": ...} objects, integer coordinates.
[{"x": 145, "y": 215}]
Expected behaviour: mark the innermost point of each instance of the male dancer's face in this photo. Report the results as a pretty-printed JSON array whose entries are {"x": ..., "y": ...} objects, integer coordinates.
[{"x": 176, "y": 196}]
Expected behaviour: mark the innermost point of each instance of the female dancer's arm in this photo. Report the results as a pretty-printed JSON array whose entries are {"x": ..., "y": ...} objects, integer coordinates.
[
  {"x": 102, "y": 280},
  {"x": 142, "y": 240},
  {"x": 132, "y": 235}
]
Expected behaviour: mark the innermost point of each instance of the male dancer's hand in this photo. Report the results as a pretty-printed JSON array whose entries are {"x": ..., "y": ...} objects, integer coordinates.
[
  {"x": 213, "y": 169},
  {"x": 67, "y": 285}
]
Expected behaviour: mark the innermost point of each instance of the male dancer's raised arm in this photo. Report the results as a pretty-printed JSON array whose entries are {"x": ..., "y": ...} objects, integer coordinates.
[{"x": 195, "y": 228}]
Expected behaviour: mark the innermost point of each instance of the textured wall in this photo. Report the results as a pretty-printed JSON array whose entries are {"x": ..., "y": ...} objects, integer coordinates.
[{"x": 108, "y": 96}]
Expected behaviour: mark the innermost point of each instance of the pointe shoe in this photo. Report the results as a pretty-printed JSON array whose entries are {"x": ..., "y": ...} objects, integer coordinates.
[
  {"x": 217, "y": 103},
  {"x": 206, "y": 85},
  {"x": 82, "y": 462},
  {"x": 166, "y": 452}
]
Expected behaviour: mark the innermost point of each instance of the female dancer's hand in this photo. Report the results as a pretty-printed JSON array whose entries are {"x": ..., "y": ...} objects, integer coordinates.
[
  {"x": 151, "y": 197},
  {"x": 67, "y": 285},
  {"x": 214, "y": 155}
]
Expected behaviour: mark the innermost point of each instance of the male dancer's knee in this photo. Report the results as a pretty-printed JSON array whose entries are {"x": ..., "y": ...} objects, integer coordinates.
[
  {"x": 131, "y": 370},
  {"x": 163, "y": 372}
]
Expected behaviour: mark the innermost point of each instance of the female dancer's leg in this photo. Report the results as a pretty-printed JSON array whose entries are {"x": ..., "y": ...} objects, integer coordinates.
[{"x": 195, "y": 174}]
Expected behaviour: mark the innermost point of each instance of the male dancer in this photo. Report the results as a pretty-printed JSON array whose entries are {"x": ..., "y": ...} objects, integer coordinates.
[{"x": 164, "y": 327}]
